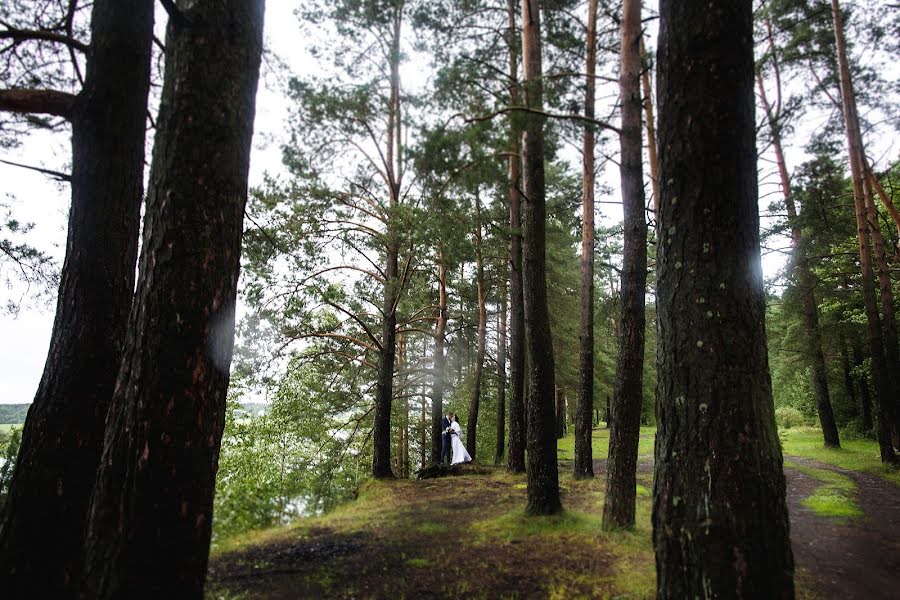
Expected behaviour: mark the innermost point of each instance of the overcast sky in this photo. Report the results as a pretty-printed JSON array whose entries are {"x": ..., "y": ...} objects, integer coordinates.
[{"x": 33, "y": 197}]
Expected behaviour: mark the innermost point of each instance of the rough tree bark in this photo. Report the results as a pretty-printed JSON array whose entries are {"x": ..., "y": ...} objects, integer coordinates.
[
  {"x": 543, "y": 471},
  {"x": 472, "y": 424},
  {"x": 800, "y": 262},
  {"x": 880, "y": 376},
  {"x": 437, "y": 390},
  {"x": 151, "y": 512},
  {"x": 618, "y": 509},
  {"x": 720, "y": 522},
  {"x": 583, "y": 464},
  {"x": 517, "y": 431},
  {"x": 381, "y": 436},
  {"x": 42, "y": 529}
]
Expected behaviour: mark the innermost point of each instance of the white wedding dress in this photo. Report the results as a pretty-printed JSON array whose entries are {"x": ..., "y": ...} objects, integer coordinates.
[{"x": 459, "y": 451}]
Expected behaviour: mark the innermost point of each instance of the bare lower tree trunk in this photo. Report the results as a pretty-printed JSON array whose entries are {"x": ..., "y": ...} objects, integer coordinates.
[
  {"x": 472, "y": 424},
  {"x": 880, "y": 376},
  {"x": 501, "y": 368},
  {"x": 517, "y": 430},
  {"x": 720, "y": 521},
  {"x": 543, "y": 471},
  {"x": 437, "y": 391},
  {"x": 151, "y": 511},
  {"x": 619, "y": 506},
  {"x": 42, "y": 527},
  {"x": 583, "y": 464}
]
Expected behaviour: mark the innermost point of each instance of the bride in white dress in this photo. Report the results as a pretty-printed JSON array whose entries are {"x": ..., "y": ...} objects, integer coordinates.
[{"x": 459, "y": 451}]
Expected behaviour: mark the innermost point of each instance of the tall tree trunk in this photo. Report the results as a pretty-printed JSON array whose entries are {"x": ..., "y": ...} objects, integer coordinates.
[
  {"x": 472, "y": 424},
  {"x": 802, "y": 271},
  {"x": 618, "y": 509},
  {"x": 437, "y": 390},
  {"x": 880, "y": 376},
  {"x": 517, "y": 430},
  {"x": 650, "y": 124},
  {"x": 583, "y": 464},
  {"x": 720, "y": 522},
  {"x": 423, "y": 433},
  {"x": 543, "y": 471},
  {"x": 501, "y": 367},
  {"x": 849, "y": 388},
  {"x": 862, "y": 387},
  {"x": 151, "y": 512},
  {"x": 42, "y": 527},
  {"x": 381, "y": 436}
]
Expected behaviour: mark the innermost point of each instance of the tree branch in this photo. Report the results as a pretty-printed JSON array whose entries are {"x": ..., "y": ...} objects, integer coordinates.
[
  {"x": 532, "y": 111},
  {"x": 46, "y": 102},
  {"x": 20, "y": 35}
]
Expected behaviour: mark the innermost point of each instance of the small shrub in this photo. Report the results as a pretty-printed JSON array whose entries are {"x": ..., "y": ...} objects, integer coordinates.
[{"x": 787, "y": 417}]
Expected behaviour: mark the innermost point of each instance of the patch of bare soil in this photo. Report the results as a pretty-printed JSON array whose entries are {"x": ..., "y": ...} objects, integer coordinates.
[{"x": 847, "y": 559}]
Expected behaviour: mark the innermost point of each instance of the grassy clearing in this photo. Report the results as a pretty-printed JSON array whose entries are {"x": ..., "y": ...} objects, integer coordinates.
[
  {"x": 600, "y": 444},
  {"x": 853, "y": 455},
  {"x": 835, "y": 499}
]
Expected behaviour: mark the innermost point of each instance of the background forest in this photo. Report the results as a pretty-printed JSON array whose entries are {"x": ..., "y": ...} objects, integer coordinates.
[{"x": 388, "y": 264}]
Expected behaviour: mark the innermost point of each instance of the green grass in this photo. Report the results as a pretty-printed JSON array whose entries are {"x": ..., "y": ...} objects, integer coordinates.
[
  {"x": 834, "y": 499},
  {"x": 600, "y": 444},
  {"x": 853, "y": 455}
]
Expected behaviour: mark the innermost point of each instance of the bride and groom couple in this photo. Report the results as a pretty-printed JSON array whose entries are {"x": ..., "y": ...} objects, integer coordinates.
[{"x": 450, "y": 439}]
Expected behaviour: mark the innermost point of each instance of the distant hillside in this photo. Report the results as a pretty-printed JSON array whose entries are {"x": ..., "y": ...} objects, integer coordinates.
[{"x": 13, "y": 413}]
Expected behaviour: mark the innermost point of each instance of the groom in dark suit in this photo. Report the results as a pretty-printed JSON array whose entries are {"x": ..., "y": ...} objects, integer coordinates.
[{"x": 445, "y": 439}]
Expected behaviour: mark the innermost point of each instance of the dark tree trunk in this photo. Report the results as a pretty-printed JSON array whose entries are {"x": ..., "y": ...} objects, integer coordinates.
[
  {"x": 584, "y": 461},
  {"x": 517, "y": 431},
  {"x": 720, "y": 523},
  {"x": 501, "y": 368},
  {"x": 862, "y": 388},
  {"x": 880, "y": 376},
  {"x": 618, "y": 509},
  {"x": 42, "y": 529},
  {"x": 560, "y": 413},
  {"x": 650, "y": 124},
  {"x": 151, "y": 512},
  {"x": 848, "y": 374},
  {"x": 472, "y": 424},
  {"x": 437, "y": 391},
  {"x": 543, "y": 471}
]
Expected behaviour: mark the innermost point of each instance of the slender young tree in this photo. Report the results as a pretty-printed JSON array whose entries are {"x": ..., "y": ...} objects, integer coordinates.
[
  {"x": 472, "y": 424},
  {"x": 151, "y": 511},
  {"x": 880, "y": 376},
  {"x": 624, "y": 435},
  {"x": 584, "y": 461},
  {"x": 517, "y": 429},
  {"x": 543, "y": 471},
  {"x": 439, "y": 360},
  {"x": 800, "y": 261},
  {"x": 650, "y": 124},
  {"x": 720, "y": 522},
  {"x": 42, "y": 528},
  {"x": 501, "y": 365}
]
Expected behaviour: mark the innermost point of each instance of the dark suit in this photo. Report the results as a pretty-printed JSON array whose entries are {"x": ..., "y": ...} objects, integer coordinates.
[{"x": 445, "y": 441}]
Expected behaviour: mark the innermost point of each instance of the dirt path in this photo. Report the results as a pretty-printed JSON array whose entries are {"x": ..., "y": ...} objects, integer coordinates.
[{"x": 859, "y": 558}]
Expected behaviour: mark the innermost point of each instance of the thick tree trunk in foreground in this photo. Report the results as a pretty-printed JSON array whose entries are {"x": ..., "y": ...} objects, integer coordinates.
[
  {"x": 472, "y": 424},
  {"x": 501, "y": 369},
  {"x": 880, "y": 376},
  {"x": 720, "y": 523},
  {"x": 618, "y": 509},
  {"x": 151, "y": 512},
  {"x": 437, "y": 390},
  {"x": 804, "y": 277},
  {"x": 543, "y": 471},
  {"x": 515, "y": 459},
  {"x": 42, "y": 531},
  {"x": 583, "y": 464}
]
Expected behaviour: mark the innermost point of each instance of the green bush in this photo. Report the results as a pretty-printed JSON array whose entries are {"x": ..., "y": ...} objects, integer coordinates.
[{"x": 787, "y": 417}]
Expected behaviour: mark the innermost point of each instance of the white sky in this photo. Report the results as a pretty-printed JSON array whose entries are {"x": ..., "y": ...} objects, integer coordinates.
[{"x": 25, "y": 337}]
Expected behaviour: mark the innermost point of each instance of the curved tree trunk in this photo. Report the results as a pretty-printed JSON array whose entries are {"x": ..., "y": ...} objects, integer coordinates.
[
  {"x": 880, "y": 376},
  {"x": 720, "y": 522},
  {"x": 151, "y": 512},
  {"x": 42, "y": 529},
  {"x": 515, "y": 460},
  {"x": 543, "y": 471},
  {"x": 618, "y": 509},
  {"x": 583, "y": 464}
]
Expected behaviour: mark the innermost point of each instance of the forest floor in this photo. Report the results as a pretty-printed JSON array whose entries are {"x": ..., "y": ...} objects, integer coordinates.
[{"x": 468, "y": 536}]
